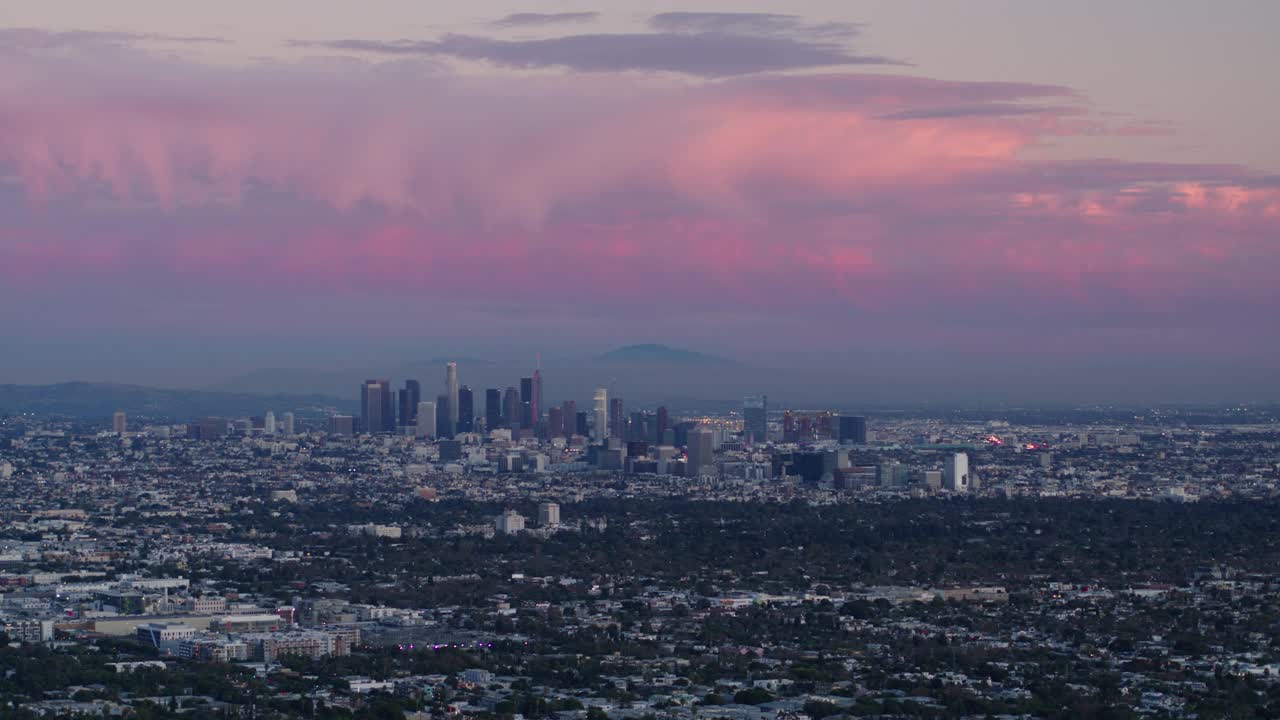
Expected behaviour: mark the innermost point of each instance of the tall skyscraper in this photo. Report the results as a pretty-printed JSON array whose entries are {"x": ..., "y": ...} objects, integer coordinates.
[
  {"x": 601, "y": 411},
  {"x": 569, "y": 412},
  {"x": 444, "y": 426},
  {"x": 466, "y": 410},
  {"x": 426, "y": 412},
  {"x": 700, "y": 452},
  {"x": 755, "y": 418},
  {"x": 269, "y": 423},
  {"x": 119, "y": 424},
  {"x": 617, "y": 421},
  {"x": 637, "y": 428},
  {"x": 511, "y": 407},
  {"x": 955, "y": 473},
  {"x": 410, "y": 396},
  {"x": 536, "y": 400},
  {"x": 451, "y": 388},
  {"x": 680, "y": 432},
  {"x": 555, "y": 421},
  {"x": 377, "y": 414},
  {"x": 852, "y": 429},
  {"x": 526, "y": 403},
  {"x": 492, "y": 408},
  {"x": 286, "y": 423},
  {"x": 663, "y": 422}
]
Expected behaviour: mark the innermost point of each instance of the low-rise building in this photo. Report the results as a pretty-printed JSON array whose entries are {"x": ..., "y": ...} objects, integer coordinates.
[
  {"x": 165, "y": 637},
  {"x": 28, "y": 631},
  {"x": 264, "y": 622},
  {"x": 308, "y": 643},
  {"x": 213, "y": 649}
]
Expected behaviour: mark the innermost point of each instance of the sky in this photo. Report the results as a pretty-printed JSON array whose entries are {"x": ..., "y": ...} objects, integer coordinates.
[{"x": 194, "y": 190}]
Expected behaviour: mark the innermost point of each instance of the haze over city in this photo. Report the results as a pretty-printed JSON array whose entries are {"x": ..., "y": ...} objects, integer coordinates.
[{"x": 1041, "y": 201}]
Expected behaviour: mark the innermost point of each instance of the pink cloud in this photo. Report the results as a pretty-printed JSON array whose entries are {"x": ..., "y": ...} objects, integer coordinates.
[
  {"x": 877, "y": 193},
  {"x": 1232, "y": 199},
  {"x": 410, "y": 138}
]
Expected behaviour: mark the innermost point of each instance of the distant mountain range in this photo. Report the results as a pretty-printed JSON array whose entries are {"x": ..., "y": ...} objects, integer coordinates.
[
  {"x": 643, "y": 371},
  {"x": 100, "y": 400},
  {"x": 654, "y": 354}
]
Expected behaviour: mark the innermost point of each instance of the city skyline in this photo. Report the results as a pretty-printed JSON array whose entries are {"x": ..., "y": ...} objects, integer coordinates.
[{"x": 191, "y": 197}]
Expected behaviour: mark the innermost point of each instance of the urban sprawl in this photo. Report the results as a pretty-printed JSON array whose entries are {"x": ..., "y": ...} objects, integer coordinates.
[{"x": 501, "y": 557}]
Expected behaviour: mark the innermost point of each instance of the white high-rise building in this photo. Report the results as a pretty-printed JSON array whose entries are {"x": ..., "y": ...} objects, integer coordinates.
[
  {"x": 286, "y": 423},
  {"x": 509, "y": 523},
  {"x": 600, "y": 431},
  {"x": 548, "y": 514},
  {"x": 700, "y": 452},
  {"x": 118, "y": 423},
  {"x": 955, "y": 473},
  {"x": 426, "y": 419},
  {"x": 451, "y": 388},
  {"x": 269, "y": 423}
]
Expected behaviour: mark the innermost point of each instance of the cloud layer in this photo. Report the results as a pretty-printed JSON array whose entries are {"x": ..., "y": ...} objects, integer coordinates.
[
  {"x": 878, "y": 205},
  {"x": 705, "y": 54},
  {"x": 746, "y": 23},
  {"x": 531, "y": 19}
]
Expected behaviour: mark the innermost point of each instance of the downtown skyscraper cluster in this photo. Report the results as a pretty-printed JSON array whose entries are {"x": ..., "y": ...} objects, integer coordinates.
[{"x": 521, "y": 408}]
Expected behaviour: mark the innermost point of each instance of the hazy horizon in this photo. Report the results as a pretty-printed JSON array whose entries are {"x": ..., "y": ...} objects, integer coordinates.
[{"x": 909, "y": 383}]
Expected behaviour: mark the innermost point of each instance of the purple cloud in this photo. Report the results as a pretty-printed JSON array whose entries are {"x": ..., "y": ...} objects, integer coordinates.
[
  {"x": 530, "y": 19},
  {"x": 29, "y": 39},
  {"x": 705, "y": 54},
  {"x": 746, "y": 23},
  {"x": 995, "y": 109}
]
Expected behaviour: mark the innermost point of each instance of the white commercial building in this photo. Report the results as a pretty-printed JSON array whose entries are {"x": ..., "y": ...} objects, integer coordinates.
[
  {"x": 375, "y": 530},
  {"x": 426, "y": 419},
  {"x": 955, "y": 473},
  {"x": 509, "y": 522},
  {"x": 205, "y": 605},
  {"x": 258, "y": 622},
  {"x": 451, "y": 386},
  {"x": 600, "y": 430},
  {"x": 701, "y": 453}
]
